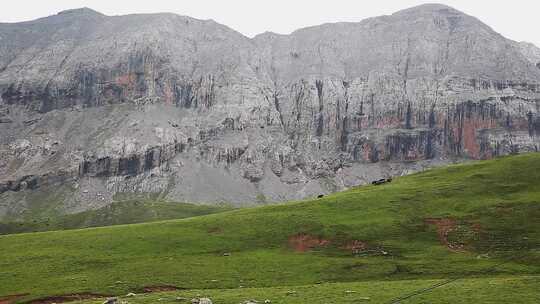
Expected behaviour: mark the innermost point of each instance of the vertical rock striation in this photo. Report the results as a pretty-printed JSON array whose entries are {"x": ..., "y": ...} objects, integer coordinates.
[{"x": 195, "y": 111}]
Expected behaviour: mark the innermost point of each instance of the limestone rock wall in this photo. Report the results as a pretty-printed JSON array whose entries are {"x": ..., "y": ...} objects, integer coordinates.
[{"x": 193, "y": 111}]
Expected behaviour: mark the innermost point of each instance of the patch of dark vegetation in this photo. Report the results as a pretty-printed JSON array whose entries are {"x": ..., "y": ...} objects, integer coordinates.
[
  {"x": 128, "y": 210},
  {"x": 401, "y": 269},
  {"x": 160, "y": 288},
  {"x": 355, "y": 266}
]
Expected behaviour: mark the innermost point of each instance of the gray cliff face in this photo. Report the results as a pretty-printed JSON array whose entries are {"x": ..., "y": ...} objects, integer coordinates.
[
  {"x": 95, "y": 107},
  {"x": 531, "y": 52}
]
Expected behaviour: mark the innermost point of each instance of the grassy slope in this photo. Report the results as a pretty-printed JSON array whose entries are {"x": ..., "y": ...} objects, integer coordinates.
[
  {"x": 516, "y": 290},
  {"x": 494, "y": 204},
  {"x": 124, "y": 212}
]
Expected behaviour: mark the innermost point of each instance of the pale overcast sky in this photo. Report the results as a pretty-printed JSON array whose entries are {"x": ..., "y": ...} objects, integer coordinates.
[{"x": 516, "y": 19}]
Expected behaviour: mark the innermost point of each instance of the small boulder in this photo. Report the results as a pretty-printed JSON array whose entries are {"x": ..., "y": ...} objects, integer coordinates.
[
  {"x": 201, "y": 301},
  {"x": 131, "y": 294},
  {"x": 483, "y": 256},
  {"x": 111, "y": 301}
]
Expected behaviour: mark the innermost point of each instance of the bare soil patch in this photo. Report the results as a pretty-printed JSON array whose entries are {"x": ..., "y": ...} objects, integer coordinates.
[
  {"x": 68, "y": 298},
  {"x": 305, "y": 242},
  {"x": 11, "y": 298},
  {"x": 448, "y": 226},
  {"x": 215, "y": 230},
  {"x": 355, "y": 246},
  {"x": 444, "y": 226},
  {"x": 80, "y": 296}
]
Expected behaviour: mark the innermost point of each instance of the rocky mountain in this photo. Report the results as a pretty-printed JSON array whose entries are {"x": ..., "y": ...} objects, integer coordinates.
[
  {"x": 95, "y": 107},
  {"x": 531, "y": 52}
]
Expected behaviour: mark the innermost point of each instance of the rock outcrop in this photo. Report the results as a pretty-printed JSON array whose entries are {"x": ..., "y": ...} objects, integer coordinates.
[
  {"x": 531, "y": 52},
  {"x": 194, "y": 111}
]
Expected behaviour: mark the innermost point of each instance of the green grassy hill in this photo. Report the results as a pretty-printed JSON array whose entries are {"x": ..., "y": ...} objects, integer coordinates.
[
  {"x": 122, "y": 212},
  {"x": 515, "y": 290},
  {"x": 478, "y": 221}
]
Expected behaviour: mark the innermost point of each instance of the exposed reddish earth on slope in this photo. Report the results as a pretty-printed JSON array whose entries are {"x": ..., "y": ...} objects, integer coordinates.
[
  {"x": 446, "y": 226},
  {"x": 306, "y": 242},
  {"x": 355, "y": 246},
  {"x": 11, "y": 298}
]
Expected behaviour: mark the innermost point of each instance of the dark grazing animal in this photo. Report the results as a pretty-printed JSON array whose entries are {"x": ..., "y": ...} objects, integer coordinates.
[{"x": 381, "y": 181}]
